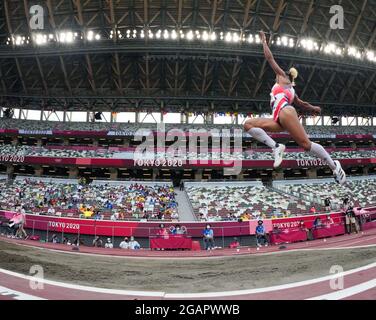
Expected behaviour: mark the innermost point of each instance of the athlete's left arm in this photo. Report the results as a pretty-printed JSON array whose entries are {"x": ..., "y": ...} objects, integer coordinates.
[{"x": 306, "y": 106}]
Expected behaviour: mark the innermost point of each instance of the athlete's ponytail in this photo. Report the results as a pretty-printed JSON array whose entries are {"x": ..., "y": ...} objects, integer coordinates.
[{"x": 293, "y": 74}]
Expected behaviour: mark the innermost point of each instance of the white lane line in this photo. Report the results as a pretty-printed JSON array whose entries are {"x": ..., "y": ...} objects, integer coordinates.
[
  {"x": 191, "y": 295},
  {"x": 17, "y": 295},
  {"x": 342, "y": 294},
  {"x": 270, "y": 289},
  {"x": 85, "y": 288}
]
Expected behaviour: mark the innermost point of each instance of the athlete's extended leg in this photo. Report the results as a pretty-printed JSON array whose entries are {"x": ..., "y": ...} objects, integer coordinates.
[
  {"x": 256, "y": 128},
  {"x": 290, "y": 121}
]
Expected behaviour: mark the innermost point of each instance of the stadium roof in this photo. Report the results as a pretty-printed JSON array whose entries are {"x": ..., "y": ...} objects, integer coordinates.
[{"x": 110, "y": 55}]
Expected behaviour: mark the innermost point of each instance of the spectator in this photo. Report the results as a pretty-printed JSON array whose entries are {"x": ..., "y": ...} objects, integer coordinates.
[
  {"x": 124, "y": 244},
  {"x": 54, "y": 239},
  {"x": 329, "y": 220},
  {"x": 78, "y": 241},
  {"x": 261, "y": 234},
  {"x": 348, "y": 220},
  {"x": 109, "y": 244},
  {"x": 66, "y": 241},
  {"x": 327, "y": 204},
  {"x": 313, "y": 210},
  {"x": 303, "y": 227},
  {"x": 351, "y": 222},
  {"x": 208, "y": 234},
  {"x": 133, "y": 244},
  {"x": 234, "y": 244},
  {"x": 317, "y": 223},
  {"x": 162, "y": 231},
  {"x": 97, "y": 242},
  {"x": 177, "y": 230}
]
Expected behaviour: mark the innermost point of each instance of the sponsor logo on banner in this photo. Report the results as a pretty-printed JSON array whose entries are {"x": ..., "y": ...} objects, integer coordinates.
[
  {"x": 120, "y": 133},
  {"x": 311, "y": 163},
  {"x": 39, "y": 132},
  {"x": 322, "y": 136}
]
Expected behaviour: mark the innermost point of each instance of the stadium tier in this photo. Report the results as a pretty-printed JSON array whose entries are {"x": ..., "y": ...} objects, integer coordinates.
[
  {"x": 99, "y": 201},
  {"x": 210, "y": 201}
]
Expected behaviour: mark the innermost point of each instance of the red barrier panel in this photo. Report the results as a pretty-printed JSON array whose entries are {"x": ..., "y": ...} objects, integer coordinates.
[
  {"x": 171, "y": 242},
  {"x": 288, "y": 236},
  {"x": 325, "y": 232}
]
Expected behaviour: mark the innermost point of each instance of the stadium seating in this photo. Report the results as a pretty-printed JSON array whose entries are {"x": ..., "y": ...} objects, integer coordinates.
[
  {"x": 232, "y": 201},
  {"x": 132, "y": 127},
  {"x": 129, "y": 200}
]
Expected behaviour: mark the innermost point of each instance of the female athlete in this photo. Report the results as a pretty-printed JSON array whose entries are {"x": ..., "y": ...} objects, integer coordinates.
[{"x": 285, "y": 118}]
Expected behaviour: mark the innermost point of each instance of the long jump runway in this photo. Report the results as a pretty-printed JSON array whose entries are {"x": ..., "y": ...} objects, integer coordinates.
[{"x": 355, "y": 284}]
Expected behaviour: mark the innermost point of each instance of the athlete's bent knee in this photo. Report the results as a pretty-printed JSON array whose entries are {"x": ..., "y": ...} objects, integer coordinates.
[
  {"x": 306, "y": 145},
  {"x": 248, "y": 125}
]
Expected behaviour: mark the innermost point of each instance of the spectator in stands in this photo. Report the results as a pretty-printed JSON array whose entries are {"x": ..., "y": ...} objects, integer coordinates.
[
  {"x": 261, "y": 234},
  {"x": 133, "y": 244},
  {"x": 329, "y": 220},
  {"x": 66, "y": 241},
  {"x": 208, "y": 235},
  {"x": 346, "y": 203},
  {"x": 51, "y": 211},
  {"x": 234, "y": 244},
  {"x": 303, "y": 227},
  {"x": 54, "y": 239},
  {"x": 353, "y": 226},
  {"x": 317, "y": 223},
  {"x": 97, "y": 242},
  {"x": 124, "y": 244},
  {"x": 162, "y": 231},
  {"x": 327, "y": 204},
  {"x": 78, "y": 241},
  {"x": 348, "y": 220},
  {"x": 177, "y": 230},
  {"x": 109, "y": 244},
  {"x": 312, "y": 210},
  {"x": 114, "y": 216}
]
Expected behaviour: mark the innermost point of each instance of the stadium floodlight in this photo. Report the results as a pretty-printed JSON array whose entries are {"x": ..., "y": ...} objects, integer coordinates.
[
  {"x": 257, "y": 37},
  {"x": 158, "y": 34},
  {"x": 190, "y": 35},
  {"x": 142, "y": 34},
  {"x": 221, "y": 35},
  {"x": 90, "y": 35},
  {"x": 66, "y": 37},
  {"x": 250, "y": 38},
  {"x": 205, "y": 36},
  {"x": 51, "y": 36},
  {"x": 174, "y": 35},
  {"x": 228, "y": 37},
  {"x": 40, "y": 39},
  {"x": 18, "y": 41},
  {"x": 166, "y": 35},
  {"x": 150, "y": 34},
  {"x": 371, "y": 56},
  {"x": 279, "y": 42},
  {"x": 97, "y": 36},
  {"x": 213, "y": 36},
  {"x": 235, "y": 37},
  {"x": 285, "y": 41}
]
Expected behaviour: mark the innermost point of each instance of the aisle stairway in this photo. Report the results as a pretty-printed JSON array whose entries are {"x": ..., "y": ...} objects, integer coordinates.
[{"x": 184, "y": 208}]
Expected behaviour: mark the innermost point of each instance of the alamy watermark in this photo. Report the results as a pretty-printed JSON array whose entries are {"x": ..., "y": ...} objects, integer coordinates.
[
  {"x": 338, "y": 19},
  {"x": 177, "y": 154},
  {"x": 36, "y": 277}
]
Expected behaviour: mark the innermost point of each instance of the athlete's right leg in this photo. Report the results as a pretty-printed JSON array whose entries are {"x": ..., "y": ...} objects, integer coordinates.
[
  {"x": 290, "y": 121},
  {"x": 256, "y": 128}
]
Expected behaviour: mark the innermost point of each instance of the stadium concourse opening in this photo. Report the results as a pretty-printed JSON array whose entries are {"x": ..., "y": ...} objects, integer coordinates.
[{"x": 182, "y": 137}]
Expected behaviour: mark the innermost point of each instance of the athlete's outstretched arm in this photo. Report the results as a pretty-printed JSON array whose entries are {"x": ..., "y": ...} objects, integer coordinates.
[
  {"x": 306, "y": 106},
  {"x": 269, "y": 56}
]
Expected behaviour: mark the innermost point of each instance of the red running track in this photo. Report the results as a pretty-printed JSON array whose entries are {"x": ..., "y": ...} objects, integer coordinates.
[{"x": 359, "y": 284}]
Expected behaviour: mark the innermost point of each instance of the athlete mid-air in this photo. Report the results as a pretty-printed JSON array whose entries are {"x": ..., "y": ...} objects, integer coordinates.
[{"x": 285, "y": 118}]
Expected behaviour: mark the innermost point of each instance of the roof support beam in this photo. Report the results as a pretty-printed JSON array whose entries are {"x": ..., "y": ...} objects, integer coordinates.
[
  {"x": 9, "y": 25},
  {"x": 356, "y": 25},
  {"x": 53, "y": 24},
  {"x": 89, "y": 67}
]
